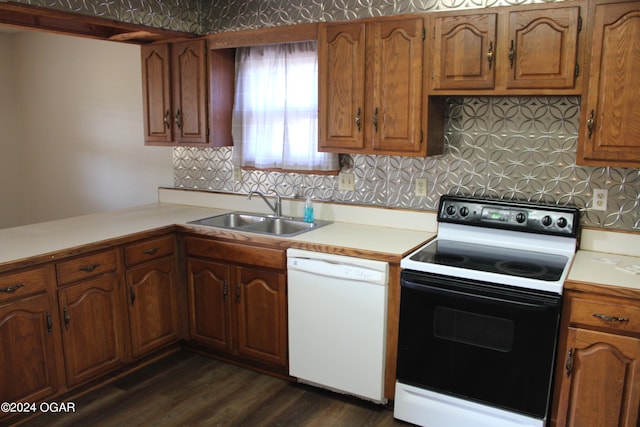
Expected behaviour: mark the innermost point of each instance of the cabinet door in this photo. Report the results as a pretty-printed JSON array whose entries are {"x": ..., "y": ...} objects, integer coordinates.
[
  {"x": 261, "y": 310},
  {"x": 209, "y": 304},
  {"x": 92, "y": 332},
  {"x": 610, "y": 113},
  {"x": 542, "y": 48},
  {"x": 463, "y": 51},
  {"x": 153, "y": 311},
  {"x": 395, "y": 50},
  {"x": 156, "y": 88},
  {"x": 601, "y": 385},
  {"x": 341, "y": 56},
  {"x": 28, "y": 350},
  {"x": 189, "y": 65}
]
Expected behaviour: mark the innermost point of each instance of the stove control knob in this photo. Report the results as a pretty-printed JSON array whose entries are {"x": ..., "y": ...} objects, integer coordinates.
[
  {"x": 451, "y": 210},
  {"x": 546, "y": 220},
  {"x": 464, "y": 211},
  {"x": 562, "y": 222},
  {"x": 520, "y": 218}
]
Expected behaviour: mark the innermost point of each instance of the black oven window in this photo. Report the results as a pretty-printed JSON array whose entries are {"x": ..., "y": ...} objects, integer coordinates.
[{"x": 480, "y": 330}]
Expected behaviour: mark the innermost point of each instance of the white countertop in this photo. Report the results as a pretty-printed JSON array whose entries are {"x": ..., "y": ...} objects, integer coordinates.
[
  {"x": 20, "y": 243},
  {"x": 602, "y": 268}
]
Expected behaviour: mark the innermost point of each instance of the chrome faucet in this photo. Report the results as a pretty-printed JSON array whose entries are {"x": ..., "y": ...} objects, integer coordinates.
[{"x": 277, "y": 209}]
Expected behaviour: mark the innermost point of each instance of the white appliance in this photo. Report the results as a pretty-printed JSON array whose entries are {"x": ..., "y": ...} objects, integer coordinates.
[
  {"x": 479, "y": 314},
  {"x": 337, "y": 322}
]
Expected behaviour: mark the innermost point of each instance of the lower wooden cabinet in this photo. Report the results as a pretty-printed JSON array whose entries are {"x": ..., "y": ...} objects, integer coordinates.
[
  {"x": 151, "y": 294},
  {"x": 93, "y": 330},
  {"x": 237, "y": 300},
  {"x": 29, "y": 350},
  {"x": 598, "y": 375}
]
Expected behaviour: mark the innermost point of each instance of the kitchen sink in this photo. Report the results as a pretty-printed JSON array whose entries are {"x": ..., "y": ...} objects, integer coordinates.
[
  {"x": 260, "y": 223},
  {"x": 231, "y": 220}
]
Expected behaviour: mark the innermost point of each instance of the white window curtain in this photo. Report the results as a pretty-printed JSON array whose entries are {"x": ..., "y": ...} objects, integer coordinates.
[{"x": 275, "y": 117}]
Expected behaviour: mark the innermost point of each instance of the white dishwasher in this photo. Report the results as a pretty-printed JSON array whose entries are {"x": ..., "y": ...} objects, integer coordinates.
[{"x": 337, "y": 322}]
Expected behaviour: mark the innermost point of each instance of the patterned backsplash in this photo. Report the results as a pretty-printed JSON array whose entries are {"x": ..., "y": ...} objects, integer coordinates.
[
  {"x": 516, "y": 148},
  {"x": 509, "y": 147}
]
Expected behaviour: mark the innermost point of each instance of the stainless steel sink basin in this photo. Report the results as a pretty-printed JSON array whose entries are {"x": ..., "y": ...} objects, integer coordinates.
[
  {"x": 283, "y": 226},
  {"x": 231, "y": 220},
  {"x": 260, "y": 223}
]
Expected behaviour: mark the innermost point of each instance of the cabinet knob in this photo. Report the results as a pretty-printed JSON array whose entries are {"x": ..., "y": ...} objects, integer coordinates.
[
  {"x": 151, "y": 251},
  {"x": 179, "y": 119},
  {"x": 11, "y": 289},
  {"x": 590, "y": 122},
  {"x": 512, "y": 53},
  {"x": 490, "y": 54},
  {"x": 167, "y": 119},
  {"x": 611, "y": 319},
  {"x": 375, "y": 119},
  {"x": 89, "y": 268}
]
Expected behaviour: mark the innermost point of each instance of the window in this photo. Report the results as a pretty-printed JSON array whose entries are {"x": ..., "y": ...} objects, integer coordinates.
[{"x": 275, "y": 117}]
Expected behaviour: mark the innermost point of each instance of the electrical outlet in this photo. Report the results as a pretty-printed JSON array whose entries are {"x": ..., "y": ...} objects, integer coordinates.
[
  {"x": 347, "y": 181},
  {"x": 421, "y": 187},
  {"x": 599, "y": 199},
  {"x": 237, "y": 173}
]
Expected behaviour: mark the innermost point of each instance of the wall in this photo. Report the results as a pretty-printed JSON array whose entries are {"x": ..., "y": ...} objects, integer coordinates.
[
  {"x": 80, "y": 130},
  {"x": 11, "y": 186},
  {"x": 502, "y": 147},
  {"x": 521, "y": 147}
]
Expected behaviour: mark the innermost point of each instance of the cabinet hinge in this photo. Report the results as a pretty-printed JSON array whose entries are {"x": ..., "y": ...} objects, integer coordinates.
[
  {"x": 577, "y": 70},
  {"x": 433, "y": 33},
  {"x": 421, "y": 136},
  {"x": 424, "y": 33},
  {"x": 579, "y": 23},
  {"x": 208, "y": 131}
]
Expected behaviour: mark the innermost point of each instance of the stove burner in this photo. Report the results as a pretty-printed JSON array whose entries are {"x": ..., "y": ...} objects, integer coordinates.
[
  {"x": 521, "y": 268},
  {"x": 450, "y": 259}
]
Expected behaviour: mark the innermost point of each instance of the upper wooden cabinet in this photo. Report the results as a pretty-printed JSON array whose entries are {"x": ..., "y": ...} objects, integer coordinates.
[
  {"x": 515, "y": 50},
  {"x": 610, "y": 113},
  {"x": 371, "y": 97},
  {"x": 180, "y": 88}
]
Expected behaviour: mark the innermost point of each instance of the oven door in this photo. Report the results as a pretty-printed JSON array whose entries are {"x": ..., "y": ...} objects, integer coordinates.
[{"x": 492, "y": 344}]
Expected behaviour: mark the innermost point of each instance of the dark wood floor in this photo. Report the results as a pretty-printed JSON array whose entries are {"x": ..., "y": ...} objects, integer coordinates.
[{"x": 187, "y": 389}]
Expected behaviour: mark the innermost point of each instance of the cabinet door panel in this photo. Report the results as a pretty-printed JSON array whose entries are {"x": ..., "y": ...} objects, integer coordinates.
[
  {"x": 543, "y": 48},
  {"x": 156, "y": 87},
  {"x": 610, "y": 112},
  {"x": 27, "y": 350},
  {"x": 464, "y": 51},
  {"x": 153, "y": 312},
  {"x": 603, "y": 381},
  {"x": 92, "y": 330},
  {"x": 209, "y": 302},
  {"x": 260, "y": 301},
  {"x": 341, "y": 55},
  {"x": 190, "y": 91},
  {"x": 396, "y": 49}
]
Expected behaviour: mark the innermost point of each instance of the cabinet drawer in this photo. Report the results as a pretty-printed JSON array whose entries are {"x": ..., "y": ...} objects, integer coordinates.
[
  {"x": 87, "y": 266},
  {"x": 16, "y": 285},
  {"x": 237, "y": 253},
  {"x": 602, "y": 314},
  {"x": 149, "y": 250}
]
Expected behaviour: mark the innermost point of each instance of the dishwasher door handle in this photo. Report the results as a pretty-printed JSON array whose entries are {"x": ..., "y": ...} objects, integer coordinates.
[{"x": 339, "y": 270}]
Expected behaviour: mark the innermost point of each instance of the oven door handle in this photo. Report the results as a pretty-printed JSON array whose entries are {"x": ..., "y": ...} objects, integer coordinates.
[{"x": 469, "y": 289}]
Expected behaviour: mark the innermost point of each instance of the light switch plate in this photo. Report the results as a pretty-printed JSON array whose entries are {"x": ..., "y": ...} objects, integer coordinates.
[
  {"x": 421, "y": 187},
  {"x": 237, "y": 173},
  {"x": 347, "y": 181}
]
